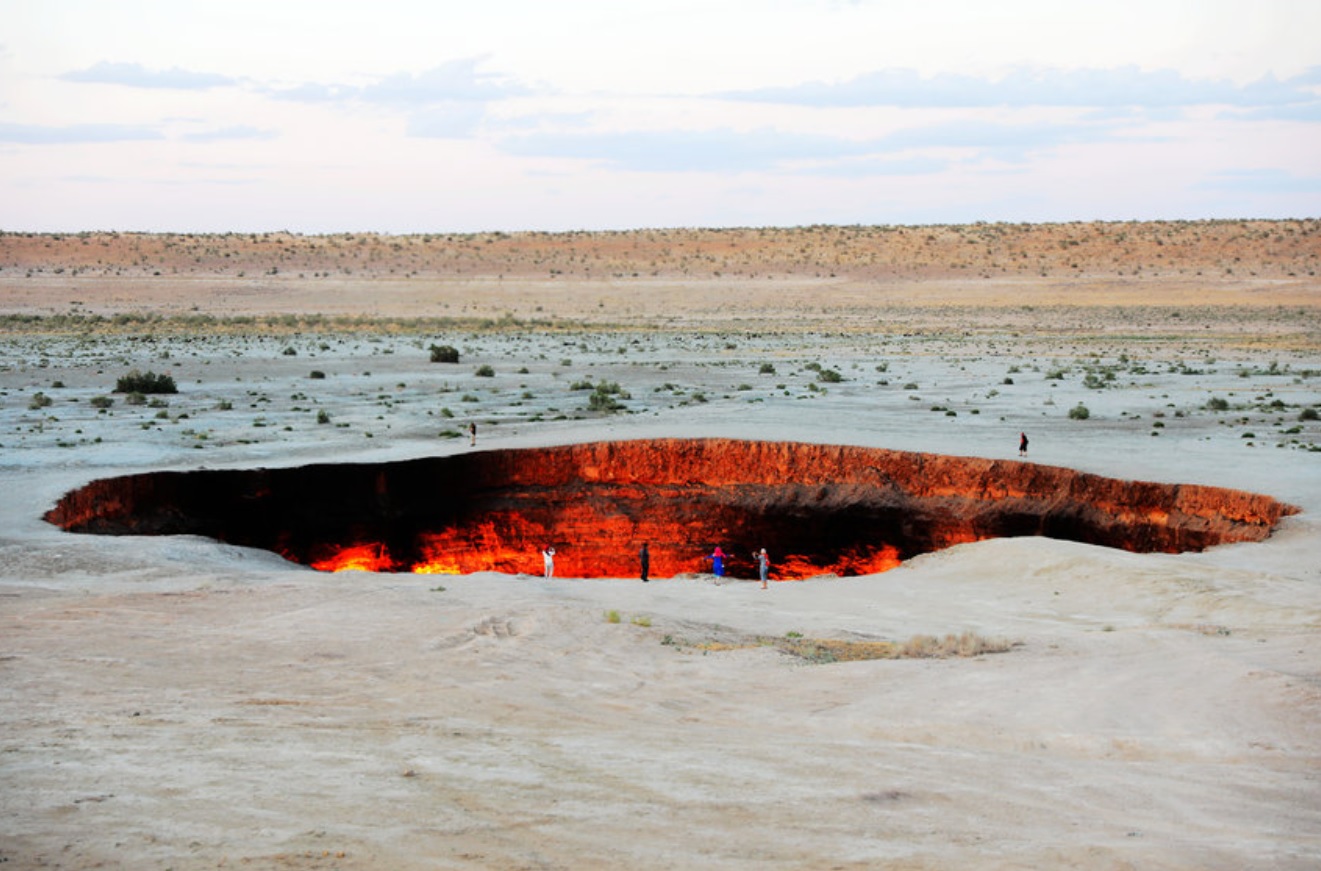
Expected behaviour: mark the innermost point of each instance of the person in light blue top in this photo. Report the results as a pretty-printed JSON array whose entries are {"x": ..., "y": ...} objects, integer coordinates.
[{"x": 763, "y": 562}]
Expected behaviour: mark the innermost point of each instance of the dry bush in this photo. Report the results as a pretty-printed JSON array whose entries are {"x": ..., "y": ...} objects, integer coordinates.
[{"x": 826, "y": 650}]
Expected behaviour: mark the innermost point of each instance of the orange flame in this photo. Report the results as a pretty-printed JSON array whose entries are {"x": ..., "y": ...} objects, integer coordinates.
[{"x": 356, "y": 558}]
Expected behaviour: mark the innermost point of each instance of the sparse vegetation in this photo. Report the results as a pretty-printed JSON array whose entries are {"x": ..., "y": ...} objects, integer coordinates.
[
  {"x": 821, "y": 651},
  {"x": 145, "y": 382},
  {"x": 444, "y": 354}
]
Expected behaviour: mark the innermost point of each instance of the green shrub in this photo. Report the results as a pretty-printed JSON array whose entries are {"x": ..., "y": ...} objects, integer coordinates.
[
  {"x": 484, "y": 371},
  {"x": 444, "y": 354},
  {"x": 1079, "y": 412},
  {"x": 40, "y": 400},
  {"x": 1308, "y": 414},
  {"x": 604, "y": 399},
  {"x": 145, "y": 382},
  {"x": 1217, "y": 403}
]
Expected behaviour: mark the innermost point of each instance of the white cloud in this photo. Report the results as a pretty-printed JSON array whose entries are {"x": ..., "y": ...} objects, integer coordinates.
[
  {"x": 137, "y": 76},
  {"x": 229, "y": 134},
  {"x": 453, "y": 81},
  {"x": 71, "y": 134},
  {"x": 1118, "y": 87}
]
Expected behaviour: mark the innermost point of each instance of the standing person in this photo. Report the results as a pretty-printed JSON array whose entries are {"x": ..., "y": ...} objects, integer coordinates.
[
  {"x": 472, "y": 435},
  {"x": 1022, "y": 444},
  {"x": 718, "y": 562},
  {"x": 763, "y": 562},
  {"x": 548, "y": 558},
  {"x": 644, "y": 561}
]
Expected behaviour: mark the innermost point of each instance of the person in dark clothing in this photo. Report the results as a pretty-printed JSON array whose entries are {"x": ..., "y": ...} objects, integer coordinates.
[
  {"x": 1022, "y": 444},
  {"x": 644, "y": 561}
]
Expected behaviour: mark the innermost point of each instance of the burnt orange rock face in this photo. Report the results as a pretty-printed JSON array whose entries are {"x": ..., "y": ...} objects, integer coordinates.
[{"x": 816, "y": 508}]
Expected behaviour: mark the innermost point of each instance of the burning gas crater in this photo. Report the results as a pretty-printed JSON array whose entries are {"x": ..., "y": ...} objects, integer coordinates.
[{"x": 817, "y": 509}]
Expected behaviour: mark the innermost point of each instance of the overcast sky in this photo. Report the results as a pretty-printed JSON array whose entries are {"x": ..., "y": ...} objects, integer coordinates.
[{"x": 410, "y": 116}]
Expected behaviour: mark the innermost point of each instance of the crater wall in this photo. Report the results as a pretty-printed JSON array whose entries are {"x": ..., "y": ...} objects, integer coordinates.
[{"x": 816, "y": 508}]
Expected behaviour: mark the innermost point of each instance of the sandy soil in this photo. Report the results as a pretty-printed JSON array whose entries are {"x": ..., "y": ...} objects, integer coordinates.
[{"x": 178, "y": 703}]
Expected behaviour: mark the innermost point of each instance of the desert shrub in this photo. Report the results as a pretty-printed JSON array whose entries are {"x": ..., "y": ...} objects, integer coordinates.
[
  {"x": 444, "y": 354},
  {"x": 323, "y": 416},
  {"x": 965, "y": 645},
  {"x": 1308, "y": 414},
  {"x": 1217, "y": 403},
  {"x": 1092, "y": 381},
  {"x": 145, "y": 382},
  {"x": 831, "y": 376},
  {"x": 40, "y": 400},
  {"x": 102, "y": 401},
  {"x": 767, "y": 369},
  {"x": 1079, "y": 412},
  {"x": 484, "y": 371},
  {"x": 606, "y": 397},
  {"x": 135, "y": 398}
]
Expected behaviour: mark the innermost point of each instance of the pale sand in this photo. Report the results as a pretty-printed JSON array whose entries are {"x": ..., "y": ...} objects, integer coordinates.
[{"x": 174, "y": 703}]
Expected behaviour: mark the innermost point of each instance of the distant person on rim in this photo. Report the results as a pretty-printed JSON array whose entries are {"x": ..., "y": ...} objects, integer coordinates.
[
  {"x": 472, "y": 434},
  {"x": 548, "y": 558},
  {"x": 1022, "y": 444},
  {"x": 644, "y": 561}
]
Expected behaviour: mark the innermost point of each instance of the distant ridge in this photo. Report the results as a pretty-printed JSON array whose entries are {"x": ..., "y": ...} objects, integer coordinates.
[{"x": 1275, "y": 249}]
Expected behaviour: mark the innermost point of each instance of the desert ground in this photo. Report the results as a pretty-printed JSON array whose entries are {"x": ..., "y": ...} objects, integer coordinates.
[{"x": 176, "y": 702}]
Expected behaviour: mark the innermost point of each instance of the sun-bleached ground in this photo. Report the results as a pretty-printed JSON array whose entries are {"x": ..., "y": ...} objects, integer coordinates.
[{"x": 177, "y": 703}]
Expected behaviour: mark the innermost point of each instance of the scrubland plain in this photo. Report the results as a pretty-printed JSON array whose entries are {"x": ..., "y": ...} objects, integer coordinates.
[{"x": 175, "y": 702}]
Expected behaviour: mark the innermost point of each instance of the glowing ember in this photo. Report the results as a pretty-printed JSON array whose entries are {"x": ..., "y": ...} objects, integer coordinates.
[
  {"x": 359, "y": 558},
  {"x": 818, "y": 509}
]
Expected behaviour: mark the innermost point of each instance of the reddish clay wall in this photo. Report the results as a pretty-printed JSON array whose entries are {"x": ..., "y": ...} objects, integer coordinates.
[{"x": 816, "y": 508}]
